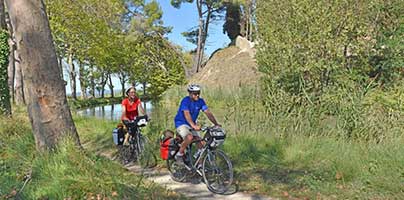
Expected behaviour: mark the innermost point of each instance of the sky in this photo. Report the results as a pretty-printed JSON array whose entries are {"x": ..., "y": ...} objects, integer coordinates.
[{"x": 181, "y": 20}]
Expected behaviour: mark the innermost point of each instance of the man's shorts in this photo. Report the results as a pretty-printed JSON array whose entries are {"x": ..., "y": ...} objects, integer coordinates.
[{"x": 184, "y": 130}]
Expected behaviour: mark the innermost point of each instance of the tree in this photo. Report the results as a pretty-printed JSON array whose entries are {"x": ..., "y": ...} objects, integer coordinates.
[
  {"x": 248, "y": 21},
  {"x": 82, "y": 30},
  {"x": 309, "y": 47},
  {"x": 208, "y": 10},
  {"x": 11, "y": 60},
  {"x": 46, "y": 97},
  {"x": 232, "y": 21}
]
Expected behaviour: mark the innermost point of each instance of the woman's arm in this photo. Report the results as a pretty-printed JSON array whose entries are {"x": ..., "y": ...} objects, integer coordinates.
[
  {"x": 141, "y": 111},
  {"x": 124, "y": 117}
]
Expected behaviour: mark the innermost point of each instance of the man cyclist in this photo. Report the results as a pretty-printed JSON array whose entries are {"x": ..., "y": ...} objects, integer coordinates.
[{"x": 185, "y": 120}]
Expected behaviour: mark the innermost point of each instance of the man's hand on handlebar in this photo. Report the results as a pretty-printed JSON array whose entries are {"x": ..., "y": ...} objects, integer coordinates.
[{"x": 196, "y": 127}]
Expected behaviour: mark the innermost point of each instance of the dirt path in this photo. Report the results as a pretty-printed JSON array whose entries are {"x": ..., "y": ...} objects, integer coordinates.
[{"x": 193, "y": 189}]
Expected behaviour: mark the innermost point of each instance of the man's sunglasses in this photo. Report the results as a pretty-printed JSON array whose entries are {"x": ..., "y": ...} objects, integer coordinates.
[{"x": 196, "y": 93}]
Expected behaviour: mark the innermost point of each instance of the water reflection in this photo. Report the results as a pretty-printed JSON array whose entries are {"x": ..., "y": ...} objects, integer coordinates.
[{"x": 108, "y": 112}]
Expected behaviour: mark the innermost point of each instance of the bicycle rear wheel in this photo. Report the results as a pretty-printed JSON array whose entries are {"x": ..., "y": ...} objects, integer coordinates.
[
  {"x": 145, "y": 157},
  {"x": 217, "y": 171},
  {"x": 177, "y": 172}
]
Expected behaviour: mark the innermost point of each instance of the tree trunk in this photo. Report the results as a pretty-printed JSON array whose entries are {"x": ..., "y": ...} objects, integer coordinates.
[
  {"x": 11, "y": 68},
  {"x": 122, "y": 79},
  {"x": 19, "y": 82},
  {"x": 3, "y": 24},
  {"x": 144, "y": 95},
  {"x": 92, "y": 82},
  {"x": 104, "y": 79},
  {"x": 200, "y": 32},
  {"x": 72, "y": 73},
  {"x": 204, "y": 35},
  {"x": 46, "y": 96},
  {"x": 83, "y": 84},
  {"x": 11, "y": 60},
  {"x": 60, "y": 63},
  {"x": 123, "y": 88},
  {"x": 110, "y": 85}
]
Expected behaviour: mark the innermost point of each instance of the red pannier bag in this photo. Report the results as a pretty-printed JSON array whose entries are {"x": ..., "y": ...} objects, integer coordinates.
[
  {"x": 165, "y": 140},
  {"x": 164, "y": 148}
]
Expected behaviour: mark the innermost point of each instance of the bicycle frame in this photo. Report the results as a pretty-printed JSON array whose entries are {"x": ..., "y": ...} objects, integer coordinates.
[
  {"x": 217, "y": 177},
  {"x": 205, "y": 150}
]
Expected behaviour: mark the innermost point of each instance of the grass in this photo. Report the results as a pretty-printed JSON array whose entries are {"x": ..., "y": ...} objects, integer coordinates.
[
  {"x": 302, "y": 153},
  {"x": 67, "y": 172}
]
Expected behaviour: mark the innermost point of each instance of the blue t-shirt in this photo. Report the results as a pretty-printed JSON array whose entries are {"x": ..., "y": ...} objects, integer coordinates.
[{"x": 193, "y": 107}]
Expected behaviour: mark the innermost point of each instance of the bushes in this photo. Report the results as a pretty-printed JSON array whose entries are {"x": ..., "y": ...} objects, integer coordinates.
[
  {"x": 5, "y": 105},
  {"x": 334, "y": 61}
]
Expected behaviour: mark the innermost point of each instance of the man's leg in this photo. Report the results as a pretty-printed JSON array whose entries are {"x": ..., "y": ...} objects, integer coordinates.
[{"x": 185, "y": 133}]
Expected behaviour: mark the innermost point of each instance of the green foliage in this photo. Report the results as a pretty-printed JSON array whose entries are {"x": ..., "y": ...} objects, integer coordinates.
[
  {"x": 5, "y": 105},
  {"x": 307, "y": 46},
  {"x": 159, "y": 65},
  {"x": 232, "y": 20},
  {"x": 337, "y": 61},
  {"x": 299, "y": 152},
  {"x": 67, "y": 172}
]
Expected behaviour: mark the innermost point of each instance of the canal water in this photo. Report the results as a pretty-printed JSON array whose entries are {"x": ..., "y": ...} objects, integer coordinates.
[{"x": 109, "y": 112}]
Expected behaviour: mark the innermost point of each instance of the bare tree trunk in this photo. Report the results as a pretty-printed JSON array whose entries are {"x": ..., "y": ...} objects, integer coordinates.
[
  {"x": 123, "y": 88},
  {"x": 46, "y": 97},
  {"x": 3, "y": 24},
  {"x": 104, "y": 79},
  {"x": 204, "y": 35},
  {"x": 60, "y": 63},
  {"x": 11, "y": 60},
  {"x": 110, "y": 85},
  {"x": 11, "y": 68},
  {"x": 200, "y": 32},
  {"x": 122, "y": 78},
  {"x": 19, "y": 82},
  {"x": 83, "y": 84},
  {"x": 144, "y": 95},
  {"x": 72, "y": 73},
  {"x": 92, "y": 82}
]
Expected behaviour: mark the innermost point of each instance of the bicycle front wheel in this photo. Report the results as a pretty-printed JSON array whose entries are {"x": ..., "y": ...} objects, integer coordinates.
[
  {"x": 217, "y": 171},
  {"x": 126, "y": 154},
  {"x": 145, "y": 155}
]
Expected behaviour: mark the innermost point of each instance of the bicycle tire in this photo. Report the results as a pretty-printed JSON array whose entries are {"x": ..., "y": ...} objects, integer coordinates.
[
  {"x": 146, "y": 158},
  {"x": 177, "y": 172},
  {"x": 217, "y": 171},
  {"x": 127, "y": 154}
]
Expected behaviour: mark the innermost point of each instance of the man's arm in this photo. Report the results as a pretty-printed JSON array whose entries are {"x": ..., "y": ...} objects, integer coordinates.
[
  {"x": 211, "y": 117},
  {"x": 190, "y": 122}
]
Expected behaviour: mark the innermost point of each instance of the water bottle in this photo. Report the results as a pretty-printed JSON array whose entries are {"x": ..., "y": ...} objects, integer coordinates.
[{"x": 196, "y": 155}]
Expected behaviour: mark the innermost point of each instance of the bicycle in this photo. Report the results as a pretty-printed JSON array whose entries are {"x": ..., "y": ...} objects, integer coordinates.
[
  {"x": 139, "y": 147},
  {"x": 216, "y": 169}
]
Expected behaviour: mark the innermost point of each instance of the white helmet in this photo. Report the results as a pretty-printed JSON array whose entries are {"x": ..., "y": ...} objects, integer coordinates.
[{"x": 194, "y": 88}]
